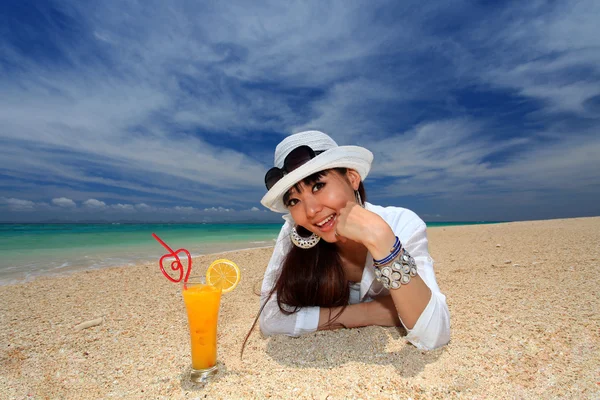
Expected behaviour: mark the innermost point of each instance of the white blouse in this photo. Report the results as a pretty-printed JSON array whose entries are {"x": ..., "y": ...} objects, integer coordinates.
[{"x": 432, "y": 329}]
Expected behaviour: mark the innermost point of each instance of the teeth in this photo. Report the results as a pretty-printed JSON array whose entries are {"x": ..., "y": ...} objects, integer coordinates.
[{"x": 325, "y": 221}]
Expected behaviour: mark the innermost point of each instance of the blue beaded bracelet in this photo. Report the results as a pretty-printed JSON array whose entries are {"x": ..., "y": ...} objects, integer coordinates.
[{"x": 393, "y": 254}]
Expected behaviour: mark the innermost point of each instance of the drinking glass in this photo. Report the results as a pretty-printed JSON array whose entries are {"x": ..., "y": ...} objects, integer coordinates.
[{"x": 202, "y": 304}]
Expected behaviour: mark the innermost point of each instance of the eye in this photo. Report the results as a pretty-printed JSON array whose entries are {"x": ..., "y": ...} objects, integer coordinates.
[
  {"x": 318, "y": 186},
  {"x": 291, "y": 203}
]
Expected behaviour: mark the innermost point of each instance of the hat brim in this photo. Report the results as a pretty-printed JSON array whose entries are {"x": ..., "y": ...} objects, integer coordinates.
[{"x": 353, "y": 157}]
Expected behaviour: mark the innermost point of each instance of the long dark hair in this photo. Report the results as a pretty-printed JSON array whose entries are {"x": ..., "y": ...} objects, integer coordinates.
[{"x": 311, "y": 277}]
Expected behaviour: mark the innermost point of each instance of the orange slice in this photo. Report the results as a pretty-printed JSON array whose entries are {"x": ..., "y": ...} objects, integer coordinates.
[{"x": 223, "y": 273}]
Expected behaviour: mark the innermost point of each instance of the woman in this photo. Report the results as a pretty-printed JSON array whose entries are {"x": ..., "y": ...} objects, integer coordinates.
[{"x": 339, "y": 261}]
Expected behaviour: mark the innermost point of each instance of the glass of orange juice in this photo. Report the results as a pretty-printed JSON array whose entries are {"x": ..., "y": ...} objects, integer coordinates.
[{"x": 202, "y": 304}]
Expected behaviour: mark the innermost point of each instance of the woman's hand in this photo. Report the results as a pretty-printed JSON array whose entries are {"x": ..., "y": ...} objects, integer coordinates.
[
  {"x": 366, "y": 227},
  {"x": 352, "y": 221},
  {"x": 381, "y": 311}
]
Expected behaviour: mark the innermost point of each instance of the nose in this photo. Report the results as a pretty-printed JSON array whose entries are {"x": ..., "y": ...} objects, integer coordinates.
[{"x": 312, "y": 206}]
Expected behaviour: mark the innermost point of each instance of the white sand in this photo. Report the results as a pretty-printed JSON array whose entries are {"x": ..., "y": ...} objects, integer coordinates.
[{"x": 525, "y": 324}]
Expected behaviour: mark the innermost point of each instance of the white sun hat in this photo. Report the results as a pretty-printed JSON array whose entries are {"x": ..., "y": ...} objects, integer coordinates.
[{"x": 333, "y": 156}]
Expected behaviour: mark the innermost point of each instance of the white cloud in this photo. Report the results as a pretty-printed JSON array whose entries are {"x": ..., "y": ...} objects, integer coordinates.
[
  {"x": 435, "y": 148},
  {"x": 64, "y": 202},
  {"x": 93, "y": 203},
  {"x": 345, "y": 112},
  {"x": 123, "y": 207},
  {"x": 456, "y": 165},
  {"x": 19, "y": 204},
  {"x": 543, "y": 52},
  {"x": 184, "y": 209},
  {"x": 218, "y": 209},
  {"x": 227, "y": 71},
  {"x": 143, "y": 207},
  {"x": 254, "y": 209}
]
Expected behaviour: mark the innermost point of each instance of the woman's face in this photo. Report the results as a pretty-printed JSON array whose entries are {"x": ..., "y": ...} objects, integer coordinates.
[{"x": 317, "y": 205}]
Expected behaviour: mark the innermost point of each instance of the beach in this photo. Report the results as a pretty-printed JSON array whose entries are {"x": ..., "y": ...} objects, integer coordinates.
[{"x": 525, "y": 315}]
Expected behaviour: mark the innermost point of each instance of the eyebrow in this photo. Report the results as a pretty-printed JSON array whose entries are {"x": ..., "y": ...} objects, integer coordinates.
[
  {"x": 290, "y": 192},
  {"x": 307, "y": 181}
]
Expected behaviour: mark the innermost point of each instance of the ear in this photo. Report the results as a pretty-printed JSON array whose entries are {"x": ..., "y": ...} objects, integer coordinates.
[{"x": 354, "y": 178}]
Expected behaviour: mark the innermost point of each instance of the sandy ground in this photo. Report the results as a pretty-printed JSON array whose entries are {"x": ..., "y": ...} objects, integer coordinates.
[{"x": 524, "y": 301}]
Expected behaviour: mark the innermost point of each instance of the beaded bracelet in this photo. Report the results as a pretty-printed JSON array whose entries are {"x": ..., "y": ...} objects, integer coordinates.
[
  {"x": 398, "y": 273},
  {"x": 394, "y": 251}
]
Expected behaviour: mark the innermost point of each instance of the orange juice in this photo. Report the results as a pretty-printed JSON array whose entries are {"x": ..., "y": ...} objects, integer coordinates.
[{"x": 202, "y": 304}]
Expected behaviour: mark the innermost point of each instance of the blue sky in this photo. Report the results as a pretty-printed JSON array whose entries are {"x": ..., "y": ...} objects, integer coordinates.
[{"x": 154, "y": 110}]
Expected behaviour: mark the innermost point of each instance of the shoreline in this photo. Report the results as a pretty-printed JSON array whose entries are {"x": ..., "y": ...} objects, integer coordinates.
[
  {"x": 523, "y": 325},
  {"x": 9, "y": 276},
  {"x": 70, "y": 270},
  {"x": 90, "y": 259}
]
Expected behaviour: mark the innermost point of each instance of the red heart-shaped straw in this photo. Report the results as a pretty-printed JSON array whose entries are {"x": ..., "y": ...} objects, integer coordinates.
[{"x": 176, "y": 264}]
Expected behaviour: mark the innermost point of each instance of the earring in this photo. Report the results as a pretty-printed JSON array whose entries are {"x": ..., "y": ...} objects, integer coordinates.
[
  {"x": 358, "y": 199},
  {"x": 303, "y": 242}
]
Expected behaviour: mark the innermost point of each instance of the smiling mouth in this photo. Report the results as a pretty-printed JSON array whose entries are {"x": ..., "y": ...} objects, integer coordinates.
[{"x": 327, "y": 223}]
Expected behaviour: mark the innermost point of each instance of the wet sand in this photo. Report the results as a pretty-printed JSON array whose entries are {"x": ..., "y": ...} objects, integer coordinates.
[{"x": 525, "y": 314}]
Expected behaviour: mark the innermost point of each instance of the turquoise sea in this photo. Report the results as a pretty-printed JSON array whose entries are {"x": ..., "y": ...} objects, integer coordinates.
[{"x": 30, "y": 250}]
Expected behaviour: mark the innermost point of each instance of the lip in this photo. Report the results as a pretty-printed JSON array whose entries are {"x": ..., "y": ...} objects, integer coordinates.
[{"x": 329, "y": 225}]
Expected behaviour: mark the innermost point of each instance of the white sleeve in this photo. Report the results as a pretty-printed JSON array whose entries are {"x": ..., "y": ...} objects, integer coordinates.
[
  {"x": 272, "y": 321},
  {"x": 432, "y": 329}
]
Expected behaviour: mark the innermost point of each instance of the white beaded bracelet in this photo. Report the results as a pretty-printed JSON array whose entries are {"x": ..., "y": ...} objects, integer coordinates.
[{"x": 398, "y": 272}]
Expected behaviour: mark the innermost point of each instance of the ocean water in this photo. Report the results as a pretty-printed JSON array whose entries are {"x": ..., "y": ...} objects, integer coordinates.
[{"x": 30, "y": 250}]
